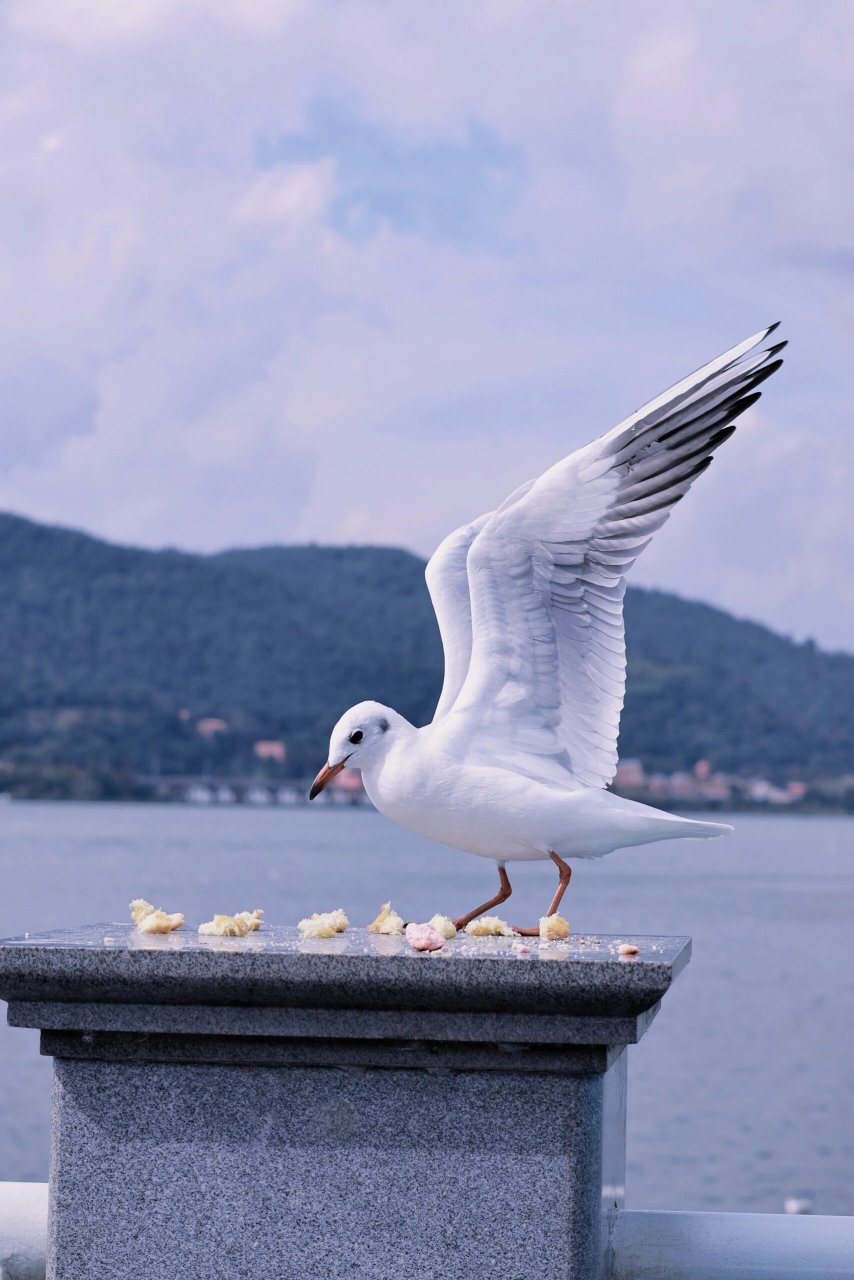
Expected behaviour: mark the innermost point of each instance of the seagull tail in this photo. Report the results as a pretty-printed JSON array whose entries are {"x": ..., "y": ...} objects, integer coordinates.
[{"x": 704, "y": 830}]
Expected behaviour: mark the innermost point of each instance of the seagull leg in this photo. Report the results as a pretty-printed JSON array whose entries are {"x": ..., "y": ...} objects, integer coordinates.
[
  {"x": 501, "y": 896},
  {"x": 564, "y": 877}
]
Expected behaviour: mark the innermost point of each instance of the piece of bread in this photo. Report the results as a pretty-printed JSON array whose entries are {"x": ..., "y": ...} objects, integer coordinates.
[
  {"x": 444, "y": 925},
  {"x": 139, "y": 909},
  {"x": 251, "y": 918},
  {"x": 490, "y": 927},
  {"x": 149, "y": 919},
  {"x": 324, "y": 924},
  {"x": 388, "y": 921},
  {"x": 160, "y": 922},
  {"x": 554, "y": 928},
  {"x": 225, "y": 927}
]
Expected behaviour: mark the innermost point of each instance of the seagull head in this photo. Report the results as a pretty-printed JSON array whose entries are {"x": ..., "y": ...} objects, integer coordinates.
[{"x": 360, "y": 737}]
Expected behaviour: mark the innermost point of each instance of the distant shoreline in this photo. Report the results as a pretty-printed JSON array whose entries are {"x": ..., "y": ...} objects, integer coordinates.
[{"x": 744, "y": 810}]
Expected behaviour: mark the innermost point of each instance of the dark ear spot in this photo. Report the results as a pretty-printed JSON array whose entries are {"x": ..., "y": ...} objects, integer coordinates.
[{"x": 384, "y": 725}]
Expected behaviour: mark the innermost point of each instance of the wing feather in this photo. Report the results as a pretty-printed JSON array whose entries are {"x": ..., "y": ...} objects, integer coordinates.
[
  {"x": 546, "y": 662},
  {"x": 447, "y": 582}
]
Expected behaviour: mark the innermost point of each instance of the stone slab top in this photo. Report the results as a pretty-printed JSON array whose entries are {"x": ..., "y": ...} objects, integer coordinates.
[{"x": 276, "y": 966}]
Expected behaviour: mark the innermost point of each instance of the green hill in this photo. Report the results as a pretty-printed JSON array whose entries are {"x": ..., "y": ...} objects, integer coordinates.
[{"x": 105, "y": 649}]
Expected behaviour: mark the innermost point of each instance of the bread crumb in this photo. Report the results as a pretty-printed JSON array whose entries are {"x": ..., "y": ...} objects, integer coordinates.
[
  {"x": 149, "y": 919},
  {"x": 554, "y": 928},
  {"x": 252, "y": 918},
  {"x": 628, "y": 949},
  {"x": 424, "y": 937},
  {"x": 317, "y": 926},
  {"x": 160, "y": 922},
  {"x": 521, "y": 949},
  {"x": 324, "y": 924},
  {"x": 444, "y": 925},
  {"x": 490, "y": 927},
  {"x": 224, "y": 927},
  {"x": 236, "y": 926},
  {"x": 388, "y": 921},
  {"x": 108, "y": 940}
]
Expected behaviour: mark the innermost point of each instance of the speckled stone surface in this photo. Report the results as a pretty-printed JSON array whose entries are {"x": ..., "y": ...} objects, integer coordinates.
[
  {"x": 305, "y": 1051},
  {"x": 356, "y": 969},
  {"x": 345, "y": 1024},
  {"x": 272, "y": 1107},
  {"x": 190, "y": 1172}
]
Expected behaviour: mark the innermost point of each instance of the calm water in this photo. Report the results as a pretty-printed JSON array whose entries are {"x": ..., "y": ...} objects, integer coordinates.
[{"x": 742, "y": 1092}]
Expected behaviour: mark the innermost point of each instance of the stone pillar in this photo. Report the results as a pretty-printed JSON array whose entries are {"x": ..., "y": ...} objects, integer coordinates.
[{"x": 279, "y": 1108}]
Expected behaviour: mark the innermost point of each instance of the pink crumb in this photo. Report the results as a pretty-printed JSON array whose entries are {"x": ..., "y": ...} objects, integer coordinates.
[{"x": 423, "y": 937}]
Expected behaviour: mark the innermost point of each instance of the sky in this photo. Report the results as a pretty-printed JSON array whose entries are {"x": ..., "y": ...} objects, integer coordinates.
[{"x": 347, "y": 271}]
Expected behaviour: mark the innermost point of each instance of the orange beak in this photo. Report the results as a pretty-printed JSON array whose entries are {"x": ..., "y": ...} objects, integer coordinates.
[{"x": 327, "y": 773}]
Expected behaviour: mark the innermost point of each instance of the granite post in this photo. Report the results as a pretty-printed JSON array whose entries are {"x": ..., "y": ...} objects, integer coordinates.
[{"x": 281, "y": 1108}]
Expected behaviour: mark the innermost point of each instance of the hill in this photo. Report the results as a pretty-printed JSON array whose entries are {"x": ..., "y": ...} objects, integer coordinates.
[{"x": 110, "y": 655}]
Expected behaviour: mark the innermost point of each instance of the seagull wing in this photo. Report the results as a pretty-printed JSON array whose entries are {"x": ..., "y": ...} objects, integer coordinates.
[
  {"x": 448, "y": 584},
  {"x": 546, "y": 576}
]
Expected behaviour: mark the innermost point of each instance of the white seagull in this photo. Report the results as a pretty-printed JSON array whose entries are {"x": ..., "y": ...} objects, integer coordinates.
[{"x": 529, "y": 601}]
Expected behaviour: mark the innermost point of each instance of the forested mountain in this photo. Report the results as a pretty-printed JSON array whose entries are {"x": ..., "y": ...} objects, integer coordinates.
[{"x": 110, "y": 656}]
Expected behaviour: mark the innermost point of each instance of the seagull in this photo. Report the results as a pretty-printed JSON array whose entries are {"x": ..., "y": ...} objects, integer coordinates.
[{"x": 529, "y": 600}]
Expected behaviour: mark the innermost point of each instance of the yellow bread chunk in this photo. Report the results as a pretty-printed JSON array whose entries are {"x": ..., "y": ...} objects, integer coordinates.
[
  {"x": 490, "y": 927},
  {"x": 149, "y": 919},
  {"x": 324, "y": 924},
  {"x": 236, "y": 926},
  {"x": 317, "y": 926},
  {"x": 554, "y": 928},
  {"x": 339, "y": 919},
  {"x": 227, "y": 926},
  {"x": 252, "y": 919},
  {"x": 387, "y": 921},
  {"x": 444, "y": 925},
  {"x": 628, "y": 949},
  {"x": 160, "y": 922}
]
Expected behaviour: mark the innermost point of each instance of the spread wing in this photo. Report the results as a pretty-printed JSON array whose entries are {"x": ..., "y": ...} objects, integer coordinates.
[
  {"x": 448, "y": 584},
  {"x": 546, "y": 578}
]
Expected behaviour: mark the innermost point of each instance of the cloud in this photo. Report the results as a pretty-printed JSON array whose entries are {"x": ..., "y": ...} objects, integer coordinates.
[{"x": 283, "y": 271}]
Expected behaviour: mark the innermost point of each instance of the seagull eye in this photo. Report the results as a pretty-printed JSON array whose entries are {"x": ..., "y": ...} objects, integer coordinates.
[{"x": 357, "y": 736}]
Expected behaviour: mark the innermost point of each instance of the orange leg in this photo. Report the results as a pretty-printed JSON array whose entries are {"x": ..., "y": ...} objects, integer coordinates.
[
  {"x": 501, "y": 896},
  {"x": 564, "y": 877}
]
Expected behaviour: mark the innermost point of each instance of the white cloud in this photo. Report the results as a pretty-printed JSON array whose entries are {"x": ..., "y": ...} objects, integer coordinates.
[{"x": 210, "y": 339}]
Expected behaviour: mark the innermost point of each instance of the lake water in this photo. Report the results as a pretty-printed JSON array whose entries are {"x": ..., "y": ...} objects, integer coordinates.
[{"x": 742, "y": 1092}]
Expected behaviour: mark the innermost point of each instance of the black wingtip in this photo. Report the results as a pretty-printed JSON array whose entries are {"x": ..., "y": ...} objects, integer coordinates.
[
  {"x": 772, "y": 327},
  {"x": 719, "y": 437},
  {"x": 778, "y": 346},
  {"x": 762, "y": 374},
  {"x": 743, "y": 403}
]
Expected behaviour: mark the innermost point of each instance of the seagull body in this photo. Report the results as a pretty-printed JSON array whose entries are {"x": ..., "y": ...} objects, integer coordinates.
[
  {"x": 529, "y": 601},
  {"x": 495, "y": 812}
]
